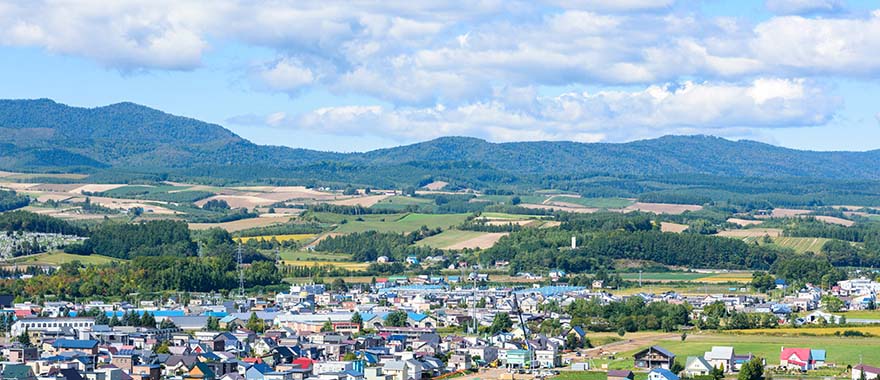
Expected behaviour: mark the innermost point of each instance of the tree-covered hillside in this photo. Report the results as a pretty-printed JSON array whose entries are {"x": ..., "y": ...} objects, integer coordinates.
[{"x": 127, "y": 139}]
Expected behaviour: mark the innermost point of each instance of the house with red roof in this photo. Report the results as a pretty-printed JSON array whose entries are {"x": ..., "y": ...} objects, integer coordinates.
[{"x": 795, "y": 358}]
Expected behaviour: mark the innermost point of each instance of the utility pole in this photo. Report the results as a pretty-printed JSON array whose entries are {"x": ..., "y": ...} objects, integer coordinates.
[
  {"x": 240, "y": 271},
  {"x": 476, "y": 332}
]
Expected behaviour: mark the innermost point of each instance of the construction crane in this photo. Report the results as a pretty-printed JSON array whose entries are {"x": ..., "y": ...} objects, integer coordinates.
[{"x": 525, "y": 330}]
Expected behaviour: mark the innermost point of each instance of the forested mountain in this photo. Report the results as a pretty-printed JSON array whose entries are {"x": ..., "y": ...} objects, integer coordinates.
[{"x": 42, "y": 135}]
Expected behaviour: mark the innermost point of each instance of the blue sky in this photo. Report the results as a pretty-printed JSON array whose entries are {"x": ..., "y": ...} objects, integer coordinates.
[{"x": 359, "y": 75}]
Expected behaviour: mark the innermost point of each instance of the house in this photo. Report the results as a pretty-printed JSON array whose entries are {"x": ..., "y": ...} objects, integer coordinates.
[
  {"x": 795, "y": 358},
  {"x": 200, "y": 371},
  {"x": 697, "y": 366},
  {"x": 817, "y": 358},
  {"x": 654, "y": 357},
  {"x": 620, "y": 374},
  {"x": 403, "y": 369},
  {"x": 88, "y": 346},
  {"x": 549, "y": 358},
  {"x": 17, "y": 372},
  {"x": 720, "y": 357},
  {"x": 869, "y": 372},
  {"x": 519, "y": 359},
  {"x": 459, "y": 362},
  {"x": 661, "y": 374}
]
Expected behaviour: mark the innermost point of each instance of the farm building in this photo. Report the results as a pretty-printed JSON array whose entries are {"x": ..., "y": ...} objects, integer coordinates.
[
  {"x": 620, "y": 374},
  {"x": 802, "y": 358},
  {"x": 654, "y": 357},
  {"x": 869, "y": 372}
]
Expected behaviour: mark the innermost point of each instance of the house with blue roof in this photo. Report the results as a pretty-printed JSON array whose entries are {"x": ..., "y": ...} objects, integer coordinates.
[
  {"x": 420, "y": 320},
  {"x": 89, "y": 346},
  {"x": 817, "y": 358}
]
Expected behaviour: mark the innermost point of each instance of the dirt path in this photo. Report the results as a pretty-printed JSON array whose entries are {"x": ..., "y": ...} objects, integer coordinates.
[{"x": 628, "y": 344}]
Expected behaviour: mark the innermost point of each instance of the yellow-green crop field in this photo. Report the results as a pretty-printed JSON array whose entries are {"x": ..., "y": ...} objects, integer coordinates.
[{"x": 279, "y": 238}]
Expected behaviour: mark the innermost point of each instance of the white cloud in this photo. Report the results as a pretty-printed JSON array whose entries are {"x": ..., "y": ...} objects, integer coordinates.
[
  {"x": 287, "y": 75},
  {"x": 799, "y": 7},
  {"x": 717, "y": 108},
  {"x": 820, "y": 46}
]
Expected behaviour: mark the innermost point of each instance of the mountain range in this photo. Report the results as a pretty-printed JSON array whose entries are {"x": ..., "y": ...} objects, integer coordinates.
[{"x": 43, "y": 135}]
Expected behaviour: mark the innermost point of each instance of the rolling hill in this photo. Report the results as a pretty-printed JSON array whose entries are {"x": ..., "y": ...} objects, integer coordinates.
[{"x": 42, "y": 135}]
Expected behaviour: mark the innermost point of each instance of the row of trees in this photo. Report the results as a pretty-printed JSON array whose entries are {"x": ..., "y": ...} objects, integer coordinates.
[{"x": 10, "y": 200}]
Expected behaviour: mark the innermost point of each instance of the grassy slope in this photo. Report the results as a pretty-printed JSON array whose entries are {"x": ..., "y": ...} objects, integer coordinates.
[
  {"x": 58, "y": 258},
  {"x": 448, "y": 238},
  {"x": 798, "y": 244},
  {"x": 393, "y": 223},
  {"x": 595, "y": 202}
]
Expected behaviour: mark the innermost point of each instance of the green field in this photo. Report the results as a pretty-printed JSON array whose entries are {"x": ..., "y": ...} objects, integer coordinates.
[
  {"x": 159, "y": 193},
  {"x": 505, "y": 216},
  {"x": 397, "y": 223},
  {"x": 667, "y": 276},
  {"x": 296, "y": 255},
  {"x": 58, "y": 258},
  {"x": 595, "y": 202},
  {"x": 401, "y": 203},
  {"x": 861, "y": 314},
  {"x": 840, "y": 350},
  {"x": 798, "y": 244},
  {"x": 448, "y": 238}
]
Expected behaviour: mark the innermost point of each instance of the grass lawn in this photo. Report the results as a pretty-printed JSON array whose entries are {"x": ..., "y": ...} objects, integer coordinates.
[
  {"x": 395, "y": 223},
  {"x": 58, "y": 258},
  {"x": 448, "y": 238},
  {"x": 596, "y": 202}
]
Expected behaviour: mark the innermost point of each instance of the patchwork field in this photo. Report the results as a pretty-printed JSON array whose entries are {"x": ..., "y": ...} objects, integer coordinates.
[
  {"x": 401, "y": 203},
  {"x": 457, "y": 239},
  {"x": 592, "y": 202},
  {"x": 396, "y": 223},
  {"x": 364, "y": 201},
  {"x": 662, "y": 208},
  {"x": 239, "y": 225},
  {"x": 817, "y": 331}
]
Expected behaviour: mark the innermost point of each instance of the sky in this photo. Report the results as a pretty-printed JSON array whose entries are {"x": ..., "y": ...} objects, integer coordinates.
[{"x": 359, "y": 75}]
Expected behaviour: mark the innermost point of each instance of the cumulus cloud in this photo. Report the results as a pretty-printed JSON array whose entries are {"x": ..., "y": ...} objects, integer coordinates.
[
  {"x": 800, "y": 7},
  {"x": 689, "y": 107}
]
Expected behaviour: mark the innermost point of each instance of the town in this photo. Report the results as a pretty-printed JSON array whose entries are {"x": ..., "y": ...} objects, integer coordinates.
[{"x": 395, "y": 329}]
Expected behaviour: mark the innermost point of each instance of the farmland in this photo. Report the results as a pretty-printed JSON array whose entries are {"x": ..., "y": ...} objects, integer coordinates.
[
  {"x": 457, "y": 239},
  {"x": 609, "y": 203},
  {"x": 239, "y": 225},
  {"x": 58, "y": 258},
  {"x": 399, "y": 222},
  {"x": 279, "y": 238},
  {"x": 798, "y": 244}
]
